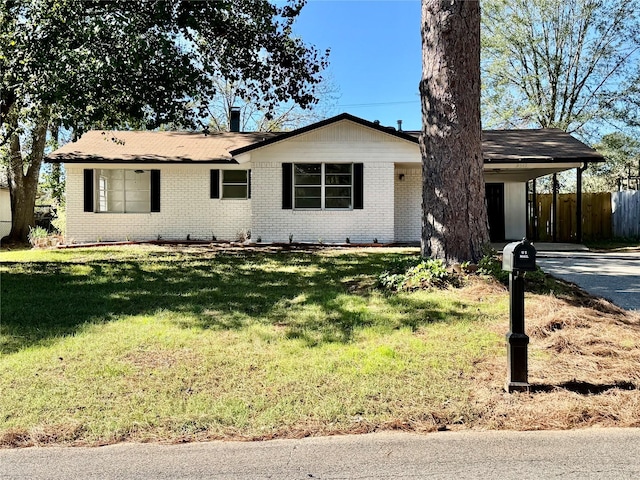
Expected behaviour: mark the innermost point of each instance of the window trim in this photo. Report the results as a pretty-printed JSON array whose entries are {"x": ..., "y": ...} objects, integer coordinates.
[
  {"x": 245, "y": 184},
  {"x": 95, "y": 189},
  {"x": 323, "y": 187},
  {"x": 217, "y": 184}
]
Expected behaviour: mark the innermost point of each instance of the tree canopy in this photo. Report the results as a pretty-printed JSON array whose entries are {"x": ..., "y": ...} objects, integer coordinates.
[
  {"x": 285, "y": 116},
  {"x": 623, "y": 161},
  {"x": 572, "y": 64},
  {"x": 81, "y": 64}
]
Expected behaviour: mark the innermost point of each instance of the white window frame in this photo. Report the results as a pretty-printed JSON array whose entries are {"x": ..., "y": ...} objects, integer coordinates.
[
  {"x": 244, "y": 184},
  {"x": 323, "y": 186},
  {"x": 103, "y": 191}
]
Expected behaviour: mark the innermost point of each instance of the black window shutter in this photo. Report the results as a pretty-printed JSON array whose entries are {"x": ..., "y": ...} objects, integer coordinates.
[
  {"x": 287, "y": 186},
  {"x": 155, "y": 190},
  {"x": 248, "y": 183},
  {"x": 214, "y": 190},
  {"x": 358, "y": 186},
  {"x": 88, "y": 190}
]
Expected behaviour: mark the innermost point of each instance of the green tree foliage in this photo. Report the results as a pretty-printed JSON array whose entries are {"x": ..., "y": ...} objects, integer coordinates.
[
  {"x": 117, "y": 63},
  {"x": 623, "y": 160},
  {"x": 571, "y": 64}
]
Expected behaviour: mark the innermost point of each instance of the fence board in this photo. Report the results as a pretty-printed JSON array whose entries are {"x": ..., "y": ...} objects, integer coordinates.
[
  {"x": 625, "y": 208},
  {"x": 596, "y": 217}
]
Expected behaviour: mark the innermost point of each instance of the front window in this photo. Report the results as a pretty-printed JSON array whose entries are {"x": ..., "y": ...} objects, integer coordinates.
[
  {"x": 235, "y": 184},
  {"x": 123, "y": 191},
  {"x": 323, "y": 186}
]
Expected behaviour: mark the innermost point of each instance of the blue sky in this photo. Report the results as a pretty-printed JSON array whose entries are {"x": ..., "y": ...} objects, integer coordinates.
[{"x": 375, "y": 59}]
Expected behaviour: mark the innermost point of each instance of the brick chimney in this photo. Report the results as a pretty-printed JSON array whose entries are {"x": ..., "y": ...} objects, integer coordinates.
[{"x": 234, "y": 119}]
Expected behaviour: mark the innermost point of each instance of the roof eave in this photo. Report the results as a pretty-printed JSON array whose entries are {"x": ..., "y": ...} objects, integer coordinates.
[
  {"x": 589, "y": 159},
  {"x": 138, "y": 160}
]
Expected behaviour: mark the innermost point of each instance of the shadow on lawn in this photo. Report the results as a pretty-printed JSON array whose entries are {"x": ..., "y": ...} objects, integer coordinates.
[
  {"x": 582, "y": 388},
  {"x": 310, "y": 296}
]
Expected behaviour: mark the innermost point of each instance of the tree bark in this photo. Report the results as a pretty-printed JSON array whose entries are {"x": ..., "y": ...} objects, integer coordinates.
[
  {"x": 23, "y": 182},
  {"x": 454, "y": 218}
]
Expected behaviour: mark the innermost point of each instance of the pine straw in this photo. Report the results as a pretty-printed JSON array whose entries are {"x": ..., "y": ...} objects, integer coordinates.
[{"x": 584, "y": 368}]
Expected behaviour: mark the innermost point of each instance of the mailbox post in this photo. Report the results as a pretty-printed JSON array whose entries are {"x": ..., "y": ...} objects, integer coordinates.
[{"x": 517, "y": 258}]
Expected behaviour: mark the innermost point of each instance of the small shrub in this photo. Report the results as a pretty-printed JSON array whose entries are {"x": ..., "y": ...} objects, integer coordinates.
[
  {"x": 38, "y": 237},
  {"x": 243, "y": 235},
  {"x": 425, "y": 274},
  {"x": 491, "y": 265}
]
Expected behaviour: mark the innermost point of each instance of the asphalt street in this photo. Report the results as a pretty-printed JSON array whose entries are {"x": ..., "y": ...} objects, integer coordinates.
[
  {"x": 579, "y": 454},
  {"x": 611, "y": 275}
]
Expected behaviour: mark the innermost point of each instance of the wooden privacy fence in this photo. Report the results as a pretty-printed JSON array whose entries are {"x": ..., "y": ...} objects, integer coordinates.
[
  {"x": 596, "y": 217},
  {"x": 625, "y": 208}
]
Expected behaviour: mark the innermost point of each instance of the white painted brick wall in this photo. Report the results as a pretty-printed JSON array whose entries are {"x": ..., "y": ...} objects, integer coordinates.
[
  {"x": 185, "y": 209},
  {"x": 408, "y": 205},
  {"x": 271, "y": 223},
  {"x": 340, "y": 142}
]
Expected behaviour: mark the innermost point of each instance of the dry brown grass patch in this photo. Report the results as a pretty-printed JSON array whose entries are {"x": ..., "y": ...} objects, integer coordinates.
[{"x": 584, "y": 368}]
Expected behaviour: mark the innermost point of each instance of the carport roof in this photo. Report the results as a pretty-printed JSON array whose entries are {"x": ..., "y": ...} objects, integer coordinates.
[{"x": 535, "y": 146}]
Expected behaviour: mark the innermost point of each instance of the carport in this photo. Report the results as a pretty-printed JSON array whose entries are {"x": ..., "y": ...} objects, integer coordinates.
[{"x": 523, "y": 156}]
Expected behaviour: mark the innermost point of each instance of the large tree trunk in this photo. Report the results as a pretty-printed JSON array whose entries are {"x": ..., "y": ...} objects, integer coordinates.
[
  {"x": 454, "y": 219},
  {"x": 23, "y": 182}
]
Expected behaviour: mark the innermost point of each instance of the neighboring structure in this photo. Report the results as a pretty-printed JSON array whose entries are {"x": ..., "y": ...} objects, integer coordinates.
[
  {"x": 5, "y": 205},
  {"x": 342, "y": 178}
]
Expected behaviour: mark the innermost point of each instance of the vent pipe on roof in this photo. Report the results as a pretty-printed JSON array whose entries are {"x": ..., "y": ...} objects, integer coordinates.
[
  {"x": 376, "y": 122},
  {"x": 399, "y": 125},
  {"x": 234, "y": 119}
]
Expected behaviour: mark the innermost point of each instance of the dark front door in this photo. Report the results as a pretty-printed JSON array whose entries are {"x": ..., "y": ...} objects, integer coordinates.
[{"x": 495, "y": 211}]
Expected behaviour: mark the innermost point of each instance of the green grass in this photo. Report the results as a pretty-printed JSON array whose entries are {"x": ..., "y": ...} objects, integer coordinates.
[{"x": 110, "y": 344}]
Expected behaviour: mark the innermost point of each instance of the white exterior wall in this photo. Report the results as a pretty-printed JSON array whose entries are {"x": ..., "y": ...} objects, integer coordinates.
[
  {"x": 185, "y": 208},
  {"x": 515, "y": 214},
  {"x": 408, "y": 209},
  {"x": 408, "y": 204},
  {"x": 342, "y": 142},
  {"x": 392, "y": 207},
  {"x": 5, "y": 212}
]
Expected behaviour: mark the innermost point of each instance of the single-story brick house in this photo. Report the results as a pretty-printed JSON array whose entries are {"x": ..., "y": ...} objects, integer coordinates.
[{"x": 340, "y": 178}]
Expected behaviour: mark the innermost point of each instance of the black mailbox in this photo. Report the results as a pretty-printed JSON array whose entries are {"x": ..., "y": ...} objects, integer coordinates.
[{"x": 519, "y": 256}]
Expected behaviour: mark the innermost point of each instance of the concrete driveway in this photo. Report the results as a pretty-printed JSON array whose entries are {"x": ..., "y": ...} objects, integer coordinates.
[{"x": 611, "y": 275}]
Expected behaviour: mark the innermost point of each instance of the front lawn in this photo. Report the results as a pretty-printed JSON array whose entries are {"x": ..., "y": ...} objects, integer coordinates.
[{"x": 178, "y": 344}]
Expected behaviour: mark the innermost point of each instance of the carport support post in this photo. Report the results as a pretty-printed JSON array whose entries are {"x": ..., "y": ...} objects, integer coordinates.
[
  {"x": 579, "y": 202},
  {"x": 554, "y": 208},
  {"x": 517, "y": 340}
]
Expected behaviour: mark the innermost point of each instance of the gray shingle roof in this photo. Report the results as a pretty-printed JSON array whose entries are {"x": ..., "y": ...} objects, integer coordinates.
[
  {"x": 499, "y": 146},
  {"x": 153, "y": 147},
  {"x": 535, "y": 145}
]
